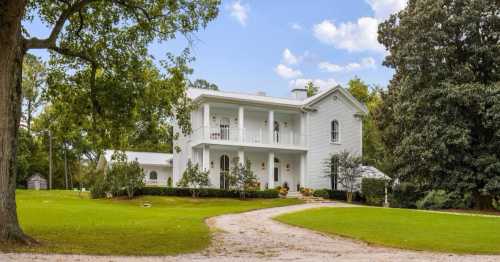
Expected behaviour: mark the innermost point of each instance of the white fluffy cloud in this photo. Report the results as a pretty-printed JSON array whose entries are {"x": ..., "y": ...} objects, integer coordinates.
[
  {"x": 239, "y": 12},
  {"x": 289, "y": 57},
  {"x": 321, "y": 83},
  {"x": 365, "y": 63},
  {"x": 287, "y": 72},
  {"x": 383, "y": 8},
  {"x": 358, "y": 36}
]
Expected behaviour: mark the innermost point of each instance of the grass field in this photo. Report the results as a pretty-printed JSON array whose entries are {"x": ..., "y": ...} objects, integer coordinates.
[
  {"x": 64, "y": 222},
  {"x": 408, "y": 229}
]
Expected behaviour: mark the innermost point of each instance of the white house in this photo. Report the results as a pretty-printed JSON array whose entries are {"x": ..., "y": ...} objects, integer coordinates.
[
  {"x": 286, "y": 140},
  {"x": 157, "y": 167}
]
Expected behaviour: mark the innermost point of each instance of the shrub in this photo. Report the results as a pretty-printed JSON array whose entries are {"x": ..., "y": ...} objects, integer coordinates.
[
  {"x": 435, "y": 199},
  {"x": 321, "y": 193},
  {"x": 306, "y": 191},
  {"x": 283, "y": 191},
  {"x": 405, "y": 195},
  {"x": 99, "y": 188},
  {"x": 194, "y": 179},
  {"x": 373, "y": 190},
  {"x": 207, "y": 192}
]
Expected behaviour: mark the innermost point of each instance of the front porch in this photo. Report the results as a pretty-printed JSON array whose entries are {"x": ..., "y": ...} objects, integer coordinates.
[{"x": 271, "y": 167}]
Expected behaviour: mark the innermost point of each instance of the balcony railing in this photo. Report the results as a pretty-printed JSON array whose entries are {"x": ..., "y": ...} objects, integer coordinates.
[{"x": 249, "y": 136}]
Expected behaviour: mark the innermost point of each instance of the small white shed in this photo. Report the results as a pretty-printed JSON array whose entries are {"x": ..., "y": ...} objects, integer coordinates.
[{"x": 37, "y": 182}]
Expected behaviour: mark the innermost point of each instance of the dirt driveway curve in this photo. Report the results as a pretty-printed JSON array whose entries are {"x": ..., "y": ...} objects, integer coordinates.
[{"x": 254, "y": 236}]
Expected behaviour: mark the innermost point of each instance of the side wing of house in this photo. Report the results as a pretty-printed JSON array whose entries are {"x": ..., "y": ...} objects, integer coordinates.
[
  {"x": 333, "y": 107},
  {"x": 180, "y": 158}
]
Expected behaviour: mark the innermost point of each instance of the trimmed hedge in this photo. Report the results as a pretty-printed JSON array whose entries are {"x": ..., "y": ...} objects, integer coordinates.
[
  {"x": 338, "y": 195},
  {"x": 405, "y": 195},
  {"x": 207, "y": 192},
  {"x": 373, "y": 189}
]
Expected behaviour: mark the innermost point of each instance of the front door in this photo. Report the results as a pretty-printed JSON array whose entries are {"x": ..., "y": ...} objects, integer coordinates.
[{"x": 224, "y": 172}]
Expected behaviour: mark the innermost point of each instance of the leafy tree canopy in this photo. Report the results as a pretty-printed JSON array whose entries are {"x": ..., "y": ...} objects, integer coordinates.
[{"x": 440, "y": 116}]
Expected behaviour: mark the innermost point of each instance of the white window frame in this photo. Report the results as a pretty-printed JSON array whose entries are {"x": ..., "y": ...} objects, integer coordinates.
[{"x": 332, "y": 131}]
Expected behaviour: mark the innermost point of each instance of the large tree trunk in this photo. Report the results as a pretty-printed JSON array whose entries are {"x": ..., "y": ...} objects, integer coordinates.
[{"x": 11, "y": 58}]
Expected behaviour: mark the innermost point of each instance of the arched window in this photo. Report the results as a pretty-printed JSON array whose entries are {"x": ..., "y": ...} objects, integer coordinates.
[
  {"x": 335, "y": 132},
  {"x": 153, "y": 175}
]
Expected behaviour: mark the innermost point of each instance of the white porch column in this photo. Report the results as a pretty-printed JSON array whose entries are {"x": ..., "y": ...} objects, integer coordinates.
[
  {"x": 241, "y": 122},
  {"x": 302, "y": 138},
  {"x": 270, "y": 125},
  {"x": 206, "y": 158},
  {"x": 303, "y": 170},
  {"x": 206, "y": 120},
  {"x": 241, "y": 157},
  {"x": 270, "y": 170}
]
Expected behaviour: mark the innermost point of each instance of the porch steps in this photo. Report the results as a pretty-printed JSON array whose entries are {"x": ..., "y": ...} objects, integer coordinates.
[{"x": 307, "y": 199}]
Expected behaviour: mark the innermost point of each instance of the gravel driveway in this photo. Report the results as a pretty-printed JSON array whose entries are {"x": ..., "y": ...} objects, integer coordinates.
[{"x": 254, "y": 236}]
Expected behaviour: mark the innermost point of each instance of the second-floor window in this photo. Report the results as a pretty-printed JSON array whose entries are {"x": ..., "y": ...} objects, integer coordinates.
[{"x": 335, "y": 132}]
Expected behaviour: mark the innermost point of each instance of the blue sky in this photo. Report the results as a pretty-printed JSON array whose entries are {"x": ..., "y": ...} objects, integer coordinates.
[{"x": 274, "y": 46}]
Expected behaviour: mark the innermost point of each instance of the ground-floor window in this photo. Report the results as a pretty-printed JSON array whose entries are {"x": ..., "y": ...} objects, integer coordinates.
[
  {"x": 224, "y": 172},
  {"x": 334, "y": 168}
]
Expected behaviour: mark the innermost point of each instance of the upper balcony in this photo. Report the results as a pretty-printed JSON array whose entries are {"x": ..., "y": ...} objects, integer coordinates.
[{"x": 229, "y": 124}]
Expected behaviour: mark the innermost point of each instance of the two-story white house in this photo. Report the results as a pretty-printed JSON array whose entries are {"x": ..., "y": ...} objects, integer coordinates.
[{"x": 286, "y": 139}]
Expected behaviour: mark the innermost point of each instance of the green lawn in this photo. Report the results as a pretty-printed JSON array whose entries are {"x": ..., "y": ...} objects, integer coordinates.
[
  {"x": 66, "y": 223},
  {"x": 409, "y": 229}
]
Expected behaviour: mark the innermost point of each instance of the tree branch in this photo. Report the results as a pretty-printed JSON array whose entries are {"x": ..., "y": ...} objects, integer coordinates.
[{"x": 50, "y": 42}]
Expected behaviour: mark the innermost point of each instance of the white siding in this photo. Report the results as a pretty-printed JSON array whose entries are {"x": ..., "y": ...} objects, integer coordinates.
[
  {"x": 163, "y": 174},
  {"x": 318, "y": 128}
]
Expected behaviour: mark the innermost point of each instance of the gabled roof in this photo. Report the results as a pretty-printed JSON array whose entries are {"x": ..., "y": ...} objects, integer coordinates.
[
  {"x": 318, "y": 97},
  {"x": 373, "y": 172},
  {"x": 197, "y": 94},
  {"x": 144, "y": 158}
]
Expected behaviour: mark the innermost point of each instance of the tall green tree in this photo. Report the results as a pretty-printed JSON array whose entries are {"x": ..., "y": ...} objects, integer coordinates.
[
  {"x": 311, "y": 89},
  {"x": 441, "y": 114},
  {"x": 203, "y": 84},
  {"x": 88, "y": 38},
  {"x": 33, "y": 84},
  {"x": 373, "y": 148}
]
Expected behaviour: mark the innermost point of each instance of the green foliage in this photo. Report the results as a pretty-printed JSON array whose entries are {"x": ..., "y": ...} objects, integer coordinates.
[
  {"x": 435, "y": 199},
  {"x": 194, "y": 179},
  {"x": 441, "y": 114},
  {"x": 311, "y": 89},
  {"x": 373, "y": 148},
  {"x": 32, "y": 157},
  {"x": 123, "y": 177},
  {"x": 348, "y": 170},
  {"x": 203, "y": 84},
  {"x": 324, "y": 193},
  {"x": 405, "y": 195},
  {"x": 242, "y": 177},
  {"x": 33, "y": 85},
  {"x": 373, "y": 190},
  {"x": 207, "y": 192},
  {"x": 306, "y": 191},
  {"x": 169, "y": 182}
]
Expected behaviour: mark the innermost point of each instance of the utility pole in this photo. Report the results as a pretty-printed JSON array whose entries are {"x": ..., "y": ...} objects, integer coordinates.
[
  {"x": 50, "y": 160},
  {"x": 65, "y": 167}
]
